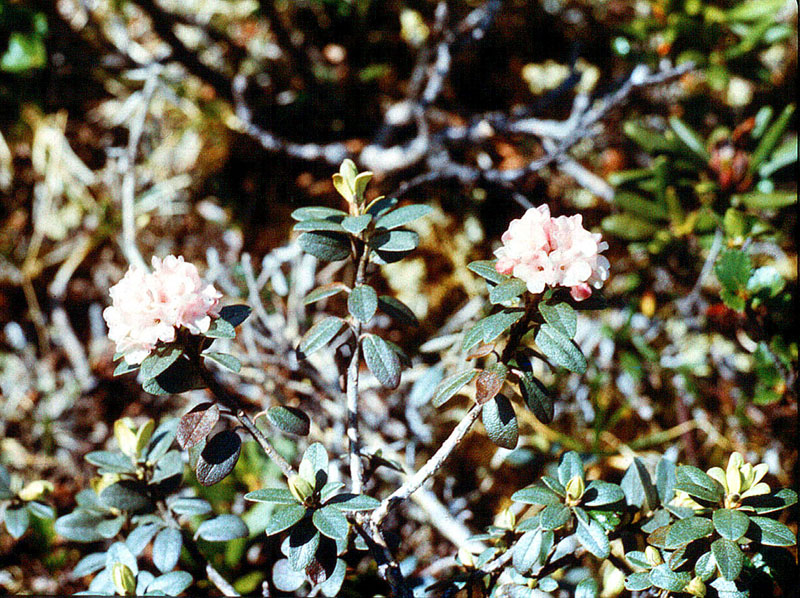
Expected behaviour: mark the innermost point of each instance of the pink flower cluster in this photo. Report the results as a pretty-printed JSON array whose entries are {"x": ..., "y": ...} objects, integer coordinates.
[
  {"x": 545, "y": 251},
  {"x": 147, "y": 307}
]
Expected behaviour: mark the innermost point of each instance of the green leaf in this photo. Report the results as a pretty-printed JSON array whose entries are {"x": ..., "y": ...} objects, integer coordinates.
[
  {"x": 380, "y": 205},
  {"x": 593, "y": 537},
  {"x": 318, "y": 213},
  {"x": 705, "y": 566},
  {"x": 355, "y": 225},
  {"x": 450, "y": 386},
  {"x": 537, "y": 495},
  {"x": 559, "y": 349},
  {"x": 83, "y": 526},
  {"x": 537, "y": 398},
  {"x": 222, "y": 529},
  {"x": 486, "y": 269},
  {"x": 331, "y": 522},
  {"x": 685, "y": 531},
  {"x": 169, "y": 466},
  {"x": 278, "y": 496},
  {"x": 319, "y": 335},
  {"x": 225, "y": 360},
  {"x": 637, "y": 582},
  {"x": 41, "y": 510},
  {"x": 17, "y": 521},
  {"x": 220, "y": 328},
  {"x": 729, "y": 557},
  {"x": 332, "y": 585},
  {"x": 507, "y": 290},
  {"x": 289, "y": 419},
  {"x": 354, "y": 502},
  {"x": 180, "y": 377},
  {"x": 167, "y": 549},
  {"x": 284, "y": 518},
  {"x": 569, "y": 466},
  {"x": 218, "y": 457},
  {"x": 561, "y": 317},
  {"x": 190, "y": 506},
  {"x": 381, "y": 360},
  {"x": 326, "y": 246},
  {"x": 124, "y": 367},
  {"x": 770, "y": 532},
  {"x": 285, "y": 578},
  {"x": 323, "y": 292},
  {"x": 784, "y": 155},
  {"x": 531, "y": 549},
  {"x": 553, "y": 517},
  {"x": 362, "y": 303},
  {"x": 698, "y": 484},
  {"x": 769, "y": 503},
  {"x": 403, "y": 215},
  {"x": 638, "y": 486},
  {"x": 235, "y": 314},
  {"x": 754, "y": 10},
  {"x": 666, "y": 579},
  {"x": 110, "y": 462},
  {"x": 771, "y": 138},
  {"x": 730, "y": 524},
  {"x": 195, "y": 425},
  {"x": 733, "y": 269},
  {"x": 489, "y": 328},
  {"x": 599, "y": 493},
  {"x": 689, "y": 138},
  {"x": 500, "y": 422},
  {"x": 126, "y": 496},
  {"x": 302, "y": 545},
  {"x": 89, "y": 564},
  {"x": 393, "y": 245},
  {"x": 628, "y": 227},
  {"x": 397, "y": 310},
  {"x": 159, "y": 360},
  {"x": 319, "y": 226},
  {"x": 173, "y": 583},
  {"x": 587, "y": 589},
  {"x": 639, "y": 207},
  {"x": 765, "y": 201}
]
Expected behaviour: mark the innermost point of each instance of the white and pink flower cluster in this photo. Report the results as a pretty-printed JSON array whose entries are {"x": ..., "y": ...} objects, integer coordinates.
[
  {"x": 553, "y": 252},
  {"x": 148, "y": 307}
]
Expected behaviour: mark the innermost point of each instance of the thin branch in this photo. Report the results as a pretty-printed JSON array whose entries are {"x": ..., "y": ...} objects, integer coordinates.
[
  {"x": 232, "y": 402},
  {"x": 430, "y": 468},
  {"x": 388, "y": 568},
  {"x": 353, "y": 437}
]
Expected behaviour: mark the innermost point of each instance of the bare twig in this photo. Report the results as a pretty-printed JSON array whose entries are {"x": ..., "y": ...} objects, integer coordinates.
[{"x": 430, "y": 468}]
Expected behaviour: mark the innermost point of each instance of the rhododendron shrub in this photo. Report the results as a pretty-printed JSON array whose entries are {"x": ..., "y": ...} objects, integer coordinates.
[{"x": 658, "y": 526}]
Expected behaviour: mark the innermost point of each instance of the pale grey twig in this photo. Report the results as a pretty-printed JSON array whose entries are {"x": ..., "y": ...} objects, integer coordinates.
[{"x": 430, "y": 468}]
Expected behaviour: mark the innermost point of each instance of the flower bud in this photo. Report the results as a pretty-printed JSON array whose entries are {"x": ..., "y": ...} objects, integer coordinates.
[
  {"x": 300, "y": 488},
  {"x": 575, "y": 488},
  {"x": 653, "y": 556},
  {"x": 36, "y": 490},
  {"x": 143, "y": 435},
  {"x": 696, "y": 587},
  {"x": 466, "y": 557},
  {"x": 124, "y": 432},
  {"x": 124, "y": 580},
  {"x": 506, "y": 519}
]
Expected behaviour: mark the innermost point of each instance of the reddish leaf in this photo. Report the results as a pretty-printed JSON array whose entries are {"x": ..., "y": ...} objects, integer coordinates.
[{"x": 196, "y": 424}]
